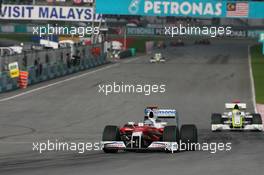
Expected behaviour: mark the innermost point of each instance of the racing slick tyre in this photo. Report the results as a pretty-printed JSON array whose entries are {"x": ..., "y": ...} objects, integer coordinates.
[
  {"x": 111, "y": 133},
  {"x": 188, "y": 137},
  {"x": 171, "y": 134},
  {"x": 256, "y": 119},
  {"x": 216, "y": 119}
]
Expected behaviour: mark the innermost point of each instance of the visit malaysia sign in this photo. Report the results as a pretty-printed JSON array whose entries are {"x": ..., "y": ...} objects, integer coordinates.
[{"x": 55, "y": 13}]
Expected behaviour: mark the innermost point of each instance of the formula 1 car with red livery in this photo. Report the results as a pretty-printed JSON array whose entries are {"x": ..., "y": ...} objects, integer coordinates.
[{"x": 159, "y": 131}]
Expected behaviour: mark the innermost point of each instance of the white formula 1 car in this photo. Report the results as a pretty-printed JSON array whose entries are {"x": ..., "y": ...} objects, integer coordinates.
[
  {"x": 157, "y": 58},
  {"x": 236, "y": 119}
]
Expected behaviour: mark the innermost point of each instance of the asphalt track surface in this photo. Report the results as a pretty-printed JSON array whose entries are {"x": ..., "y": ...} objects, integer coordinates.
[{"x": 199, "y": 80}]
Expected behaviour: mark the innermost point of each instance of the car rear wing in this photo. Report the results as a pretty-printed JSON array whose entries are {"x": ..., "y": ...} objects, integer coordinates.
[
  {"x": 232, "y": 105},
  {"x": 166, "y": 113},
  {"x": 163, "y": 114}
]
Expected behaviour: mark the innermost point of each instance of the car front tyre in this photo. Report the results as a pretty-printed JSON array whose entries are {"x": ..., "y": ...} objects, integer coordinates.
[
  {"x": 111, "y": 133},
  {"x": 256, "y": 119}
]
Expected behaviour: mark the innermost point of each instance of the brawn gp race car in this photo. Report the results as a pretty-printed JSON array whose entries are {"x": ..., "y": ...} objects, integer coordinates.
[
  {"x": 159, "y": 131},
  {"x": 157, "y": 58},
  {"x": 236, "y": 119}
]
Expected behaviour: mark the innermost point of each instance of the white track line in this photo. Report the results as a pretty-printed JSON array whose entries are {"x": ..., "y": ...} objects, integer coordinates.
[
  {"x": 66, "y": 80},
  {"x": 56, "y": 83},
  {"x": 252, "y": 81},
  {"x": 2, "y": 142}
]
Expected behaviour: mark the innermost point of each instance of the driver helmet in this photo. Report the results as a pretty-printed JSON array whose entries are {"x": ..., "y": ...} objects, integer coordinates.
[{"x": 236, "y": 112}]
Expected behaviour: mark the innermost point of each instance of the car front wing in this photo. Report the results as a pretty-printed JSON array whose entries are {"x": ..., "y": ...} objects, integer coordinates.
[
  {"x": 157, "y": 145},
  {"x": 250, "y": 127}
]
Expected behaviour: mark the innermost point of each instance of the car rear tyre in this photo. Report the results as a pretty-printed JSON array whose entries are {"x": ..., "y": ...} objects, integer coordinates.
[
  {"x": 256, "y": 119},
  {"x": 111, "y": 133},
  {"x": 189, "y": 137}
]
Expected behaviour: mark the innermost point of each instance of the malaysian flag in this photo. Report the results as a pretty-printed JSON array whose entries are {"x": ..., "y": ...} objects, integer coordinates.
[{"x": 239, "y": 9}]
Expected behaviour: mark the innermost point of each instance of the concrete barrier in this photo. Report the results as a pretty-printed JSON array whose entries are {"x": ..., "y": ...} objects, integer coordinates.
[
  {"x": 49, "y": 71},
  {"x": 6, "y": 83}
]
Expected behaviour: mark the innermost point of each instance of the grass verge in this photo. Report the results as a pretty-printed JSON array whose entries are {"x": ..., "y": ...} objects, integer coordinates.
[{"x": 257, "y": 62}]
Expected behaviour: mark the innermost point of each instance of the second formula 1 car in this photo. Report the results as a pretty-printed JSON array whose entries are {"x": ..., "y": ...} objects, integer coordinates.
[
  {"x": 159, "y": 131},
  {"x": 157, "y": 58},
  {"x": 236, "y": 119}
]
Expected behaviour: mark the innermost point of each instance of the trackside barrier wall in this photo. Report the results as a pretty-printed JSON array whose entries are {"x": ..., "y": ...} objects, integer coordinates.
[
  {"x": 50, "y": 71},
  {"x": 125, "y": 54},
  {"x": 48, "y": 56}
]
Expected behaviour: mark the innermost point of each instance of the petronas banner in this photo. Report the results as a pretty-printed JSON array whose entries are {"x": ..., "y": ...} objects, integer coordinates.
[{"x": 189, "y": 8}]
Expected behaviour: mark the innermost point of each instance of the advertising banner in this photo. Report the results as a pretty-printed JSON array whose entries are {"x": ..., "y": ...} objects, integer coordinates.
[
  {"x": 140, "y": 31},
  {"x": 145, "y": 31},
  {"x": 13, "y": 69},
  {"x": 55, "y": 13},
  {"x": 190, "y": 8}
]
